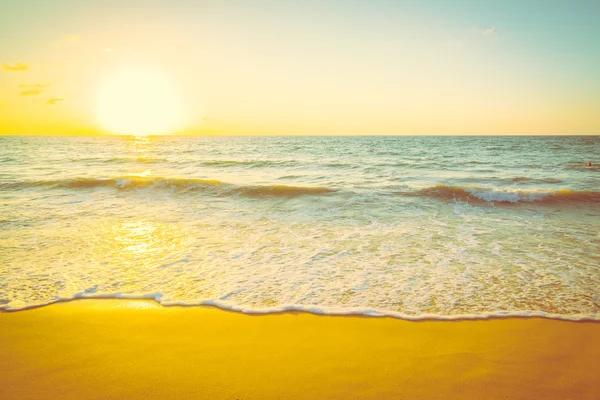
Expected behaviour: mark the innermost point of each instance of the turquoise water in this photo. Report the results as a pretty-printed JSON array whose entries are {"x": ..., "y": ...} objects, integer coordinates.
[{"x": 413, "y": 227}]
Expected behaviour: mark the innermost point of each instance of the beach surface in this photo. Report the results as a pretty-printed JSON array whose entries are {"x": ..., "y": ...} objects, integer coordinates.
[{"x": 109, "y": 349}]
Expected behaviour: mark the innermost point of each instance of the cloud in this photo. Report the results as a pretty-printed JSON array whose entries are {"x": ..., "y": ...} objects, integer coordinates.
[
  {"x": 18, "y": 67},
  {"x": 489, "y": 32},
  {"x": 55, "y": 100},
  {"x": 36, "y": 86},
  {"x": 31, "y": 92},
  {"x": 33, "y": 89}
]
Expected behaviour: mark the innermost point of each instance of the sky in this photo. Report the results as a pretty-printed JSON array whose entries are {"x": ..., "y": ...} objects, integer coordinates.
[{"x": 308, "y": 67}]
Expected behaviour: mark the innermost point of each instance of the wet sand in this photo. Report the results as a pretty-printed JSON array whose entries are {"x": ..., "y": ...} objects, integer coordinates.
[{"x": 117, "y": 349}]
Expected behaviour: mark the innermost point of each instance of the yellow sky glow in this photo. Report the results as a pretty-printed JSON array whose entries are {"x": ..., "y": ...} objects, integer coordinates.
[{"x": 288, "y": 69}]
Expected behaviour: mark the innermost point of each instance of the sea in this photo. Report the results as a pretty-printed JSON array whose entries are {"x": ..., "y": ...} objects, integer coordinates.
[{"x": 413, "y": 227}]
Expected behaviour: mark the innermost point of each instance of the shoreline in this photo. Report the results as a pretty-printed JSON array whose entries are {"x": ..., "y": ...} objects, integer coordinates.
[
  {"x": 316, "y": 311},
  {"x": 125, "y": 348}
]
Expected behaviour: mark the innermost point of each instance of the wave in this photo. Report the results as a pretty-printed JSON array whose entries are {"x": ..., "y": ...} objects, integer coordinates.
[
  {"x": 122, "y": 160},
  {"x": 534, "y": 180},
  {"x": 270, "y": 163},
  {"x": 177, "y": 184},
  {"x": 474, "y": 194},
  {"x": 311, "y": 309},
  {"x": 583, "y": 168},
  {"x": 248, "y": 163},
  {"x": 281, "y": 191}
]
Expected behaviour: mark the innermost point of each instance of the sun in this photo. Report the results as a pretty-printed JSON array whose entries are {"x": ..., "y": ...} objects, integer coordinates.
[{"x": 138, "y": 101}]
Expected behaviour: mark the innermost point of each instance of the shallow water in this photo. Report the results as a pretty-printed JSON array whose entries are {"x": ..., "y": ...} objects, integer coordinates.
[{"x": 414, "y": 227}]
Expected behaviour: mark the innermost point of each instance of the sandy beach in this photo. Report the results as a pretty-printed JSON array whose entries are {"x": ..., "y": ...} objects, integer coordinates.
[{"x": 109, "y": 349}]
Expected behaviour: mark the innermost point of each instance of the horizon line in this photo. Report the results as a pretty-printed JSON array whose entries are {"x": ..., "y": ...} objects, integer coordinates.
[{"x": 300, "y": 135}]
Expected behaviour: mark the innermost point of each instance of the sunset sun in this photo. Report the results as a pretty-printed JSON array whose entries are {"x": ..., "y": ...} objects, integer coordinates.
[{"x": 138, "y": 101}]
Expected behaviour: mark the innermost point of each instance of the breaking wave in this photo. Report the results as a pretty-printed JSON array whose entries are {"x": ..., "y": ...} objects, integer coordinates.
[
  {"x": 475, "y": 194},
  {"x": 216, "y": 187},
  {"x": 178, "y": 184}
]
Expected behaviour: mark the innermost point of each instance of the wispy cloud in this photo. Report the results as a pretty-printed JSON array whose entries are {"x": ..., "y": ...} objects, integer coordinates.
[
  {"x": 55, "y": 100},
  {"x": 28, "y": 89},
  {"x": 489, "y": 32},
  {"x": 18, "y": 67},
  {"x": 31, "y": 92},
  {"x": 36, "y": 86}
]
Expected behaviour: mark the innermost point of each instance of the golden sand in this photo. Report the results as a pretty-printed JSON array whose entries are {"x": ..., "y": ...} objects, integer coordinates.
[{"x": 121, "y": 349}]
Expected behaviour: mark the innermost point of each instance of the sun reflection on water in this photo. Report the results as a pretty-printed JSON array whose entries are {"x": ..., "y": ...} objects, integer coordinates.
[{"x": 136, "y": 237}]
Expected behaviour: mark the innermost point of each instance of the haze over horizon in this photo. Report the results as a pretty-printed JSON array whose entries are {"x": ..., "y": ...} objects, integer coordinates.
[{"x": 300, "y": 67}]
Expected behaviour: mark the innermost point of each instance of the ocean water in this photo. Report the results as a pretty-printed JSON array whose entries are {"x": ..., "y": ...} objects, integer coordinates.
[{"x": 411, "y": 227}]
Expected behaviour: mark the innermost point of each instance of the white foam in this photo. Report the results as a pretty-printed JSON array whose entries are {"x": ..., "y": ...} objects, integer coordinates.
[
  {"x": 510, "y": 196},
  {"x": 315, "y": 309},
  {"x": 123, "y": 182}
]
